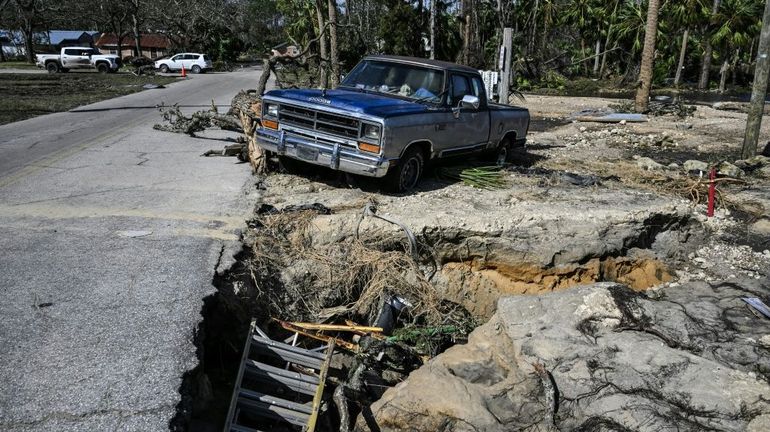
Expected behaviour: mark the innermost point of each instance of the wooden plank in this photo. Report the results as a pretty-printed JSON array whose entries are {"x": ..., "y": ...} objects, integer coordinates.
[
  {"x": 320, "y": 390},
  {"x": 337, "y": 327}
]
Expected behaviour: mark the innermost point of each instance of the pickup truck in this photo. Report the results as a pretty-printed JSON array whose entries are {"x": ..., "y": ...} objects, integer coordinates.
[
  {"x": 388, "y": 118},
  {"x": 78, "y": 58}
]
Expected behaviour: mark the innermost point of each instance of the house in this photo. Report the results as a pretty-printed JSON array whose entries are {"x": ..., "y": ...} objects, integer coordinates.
[
  {"x": 55, "y": 40},
  {"x": 153, "y": 45}
]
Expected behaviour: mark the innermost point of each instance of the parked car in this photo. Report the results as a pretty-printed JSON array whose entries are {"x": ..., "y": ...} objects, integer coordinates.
[
  {"x": 389, "y": 117},
  {"x": 78, "y": 58},
  {"x": 195, "y": 63}
]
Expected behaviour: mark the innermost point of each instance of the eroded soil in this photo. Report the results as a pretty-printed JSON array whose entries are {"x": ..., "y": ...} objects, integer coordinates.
[{"x": 313, "y": 254}]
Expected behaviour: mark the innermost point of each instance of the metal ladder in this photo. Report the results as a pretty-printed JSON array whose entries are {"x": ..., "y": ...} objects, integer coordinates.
[{"x": 264, "y": 391}]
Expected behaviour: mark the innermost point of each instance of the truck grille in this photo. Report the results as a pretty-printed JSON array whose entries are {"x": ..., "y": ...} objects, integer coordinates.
[{"x": 319, "y": 121}]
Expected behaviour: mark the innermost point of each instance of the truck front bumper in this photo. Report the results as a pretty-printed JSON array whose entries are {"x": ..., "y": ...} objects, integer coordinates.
[{"x": 332, "y": 155}]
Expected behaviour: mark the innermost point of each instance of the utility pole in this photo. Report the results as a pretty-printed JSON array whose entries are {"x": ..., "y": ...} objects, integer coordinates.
[
  {"x": 759, "y": 92},
  {"x": 505, "y": 65}
]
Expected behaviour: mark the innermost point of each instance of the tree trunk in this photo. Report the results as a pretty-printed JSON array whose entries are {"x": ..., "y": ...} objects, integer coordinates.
[
  {"x": 705, "y": 71},
  {"x": 323, "y": 66},
  {"x": 723, "y": 76},
  {"x": 137, "y": 38},
  {"x": 334, "y": 56},
  {"x": 759, "y": 89},
  {"x": 596, "y": 59},
  {"x": 466, "y": 39},
  {"x": 28, "y": 35},
  {"x": 583, "y": 54},
  {"x": 682, "y": 52},
  {"x": 648, "y": 54},
  {"x": 734, "y": 67},
  {"x": 432, "y": 29},
  {"x": 703, "y": 82}
]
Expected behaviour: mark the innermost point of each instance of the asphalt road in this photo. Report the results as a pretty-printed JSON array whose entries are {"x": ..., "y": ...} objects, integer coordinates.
[{"x": 110, "y": 233}]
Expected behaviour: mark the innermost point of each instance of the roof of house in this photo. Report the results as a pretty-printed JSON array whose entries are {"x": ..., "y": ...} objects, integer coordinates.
[
  {"x": 55, "y": 37},
  {"x": 146, "y": 41}
]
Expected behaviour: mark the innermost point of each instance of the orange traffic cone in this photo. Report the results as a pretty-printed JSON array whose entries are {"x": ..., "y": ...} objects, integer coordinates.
[{"x": 184, "y": 73}]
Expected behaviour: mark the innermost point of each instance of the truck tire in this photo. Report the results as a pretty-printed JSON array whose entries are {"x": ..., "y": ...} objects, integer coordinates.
[
  {"x": 103, "y": 68},
  {"x": 52, "y": 67},
  {"x": 405, "y": 176},
  {"x": 164, "y": 68},
  {"x": 502, "y": 154},
  {"x": 196, "y": 69}
]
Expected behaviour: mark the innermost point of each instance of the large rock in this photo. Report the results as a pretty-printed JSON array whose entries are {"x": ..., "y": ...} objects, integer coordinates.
[
  {"x": 693, "y": 360},
  {"x": 695, "y": 165}
]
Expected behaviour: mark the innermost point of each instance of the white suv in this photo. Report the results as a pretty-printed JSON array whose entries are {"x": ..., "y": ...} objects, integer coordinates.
[{"x": 195, "y": 63}]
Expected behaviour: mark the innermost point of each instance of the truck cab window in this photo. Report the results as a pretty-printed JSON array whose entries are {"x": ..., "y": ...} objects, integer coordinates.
[{"x": 460, "y": 88}]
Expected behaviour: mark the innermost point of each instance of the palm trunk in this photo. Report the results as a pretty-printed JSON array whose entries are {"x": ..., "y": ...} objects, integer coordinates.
[
  {"x": 703, "y": 82},
  {"x": 334, "y": 60},
  {"x": 723, "y": 76},
  {"x": 734, "y": 67},
  {"x": 682, "y": 52},
  {"x": 583, "y": 54},
  {"x": 648, "y": 54},
  {"x": 705, "y": 71},
  {"x": 596, "y": 58}
]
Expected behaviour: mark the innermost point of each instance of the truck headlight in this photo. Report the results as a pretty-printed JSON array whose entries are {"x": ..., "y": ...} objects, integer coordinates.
[
  {"x": 272, "y": 110},
  {"x": 371, "y": 131}
]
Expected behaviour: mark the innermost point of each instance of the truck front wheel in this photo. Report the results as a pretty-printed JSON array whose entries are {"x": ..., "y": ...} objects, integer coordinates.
[
  {"x": 164, "y": 68},
  {"x": 52, "y": 67},
  {"x": 405, "y": 176},
  {"x": 102, "y": 68}
]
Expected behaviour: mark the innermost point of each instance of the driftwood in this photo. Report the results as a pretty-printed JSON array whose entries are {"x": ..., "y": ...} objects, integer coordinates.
[{"x": 247, "y": 107}]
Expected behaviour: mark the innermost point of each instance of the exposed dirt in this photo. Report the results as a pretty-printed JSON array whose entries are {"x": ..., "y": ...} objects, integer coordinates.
[{"x": 542, "y": 234}]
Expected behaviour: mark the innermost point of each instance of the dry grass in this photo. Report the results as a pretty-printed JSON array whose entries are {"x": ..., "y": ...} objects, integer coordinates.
[
  {"x": 347, "y": 279},
  {"x": 661, "y": 182}
]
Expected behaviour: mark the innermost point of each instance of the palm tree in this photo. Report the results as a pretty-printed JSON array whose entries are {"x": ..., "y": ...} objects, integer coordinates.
[
  {"x": 684, "y": 14},
  {"x": 739, "y": 23},
  {"x": 708, "y": 49},
  {"x": 645, "y": 73}
]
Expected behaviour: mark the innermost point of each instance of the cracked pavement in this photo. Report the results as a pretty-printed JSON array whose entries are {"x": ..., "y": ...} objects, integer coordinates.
[{"x": 110, "y": 232}]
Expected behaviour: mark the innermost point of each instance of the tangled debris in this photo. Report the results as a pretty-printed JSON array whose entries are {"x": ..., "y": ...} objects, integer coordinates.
[{"x": 197, "y": 122}]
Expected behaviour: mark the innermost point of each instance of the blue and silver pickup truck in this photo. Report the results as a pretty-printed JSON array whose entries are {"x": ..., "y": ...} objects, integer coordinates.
[{"x": 389, "y": 117}]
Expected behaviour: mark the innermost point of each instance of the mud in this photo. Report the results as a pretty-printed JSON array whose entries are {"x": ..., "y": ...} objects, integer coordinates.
[{"x": 478, "y": 286}]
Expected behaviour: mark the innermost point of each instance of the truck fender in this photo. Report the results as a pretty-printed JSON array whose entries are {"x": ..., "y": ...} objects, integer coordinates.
[{"x": 426, "y": 146}]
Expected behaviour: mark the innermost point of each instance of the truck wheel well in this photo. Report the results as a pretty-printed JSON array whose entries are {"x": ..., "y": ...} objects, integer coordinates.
[
  {"x": 424, "y": 147},
  {"x": 509, "y": 137}
]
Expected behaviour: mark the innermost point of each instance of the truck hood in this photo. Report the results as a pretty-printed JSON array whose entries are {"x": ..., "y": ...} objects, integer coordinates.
[{"x": 347, "y": 100}]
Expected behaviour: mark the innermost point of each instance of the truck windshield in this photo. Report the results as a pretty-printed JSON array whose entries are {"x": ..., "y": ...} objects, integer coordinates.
[{"x": 412, "y": 82}]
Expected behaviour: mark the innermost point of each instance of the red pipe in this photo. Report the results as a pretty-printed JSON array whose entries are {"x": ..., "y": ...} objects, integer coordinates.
[{"x": 712, "y": 192}]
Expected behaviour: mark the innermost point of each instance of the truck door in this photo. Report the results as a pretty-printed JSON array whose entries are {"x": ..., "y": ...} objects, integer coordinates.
[
  {"x": 73, "y": 58},
  {"x": 471, "y": 126}
]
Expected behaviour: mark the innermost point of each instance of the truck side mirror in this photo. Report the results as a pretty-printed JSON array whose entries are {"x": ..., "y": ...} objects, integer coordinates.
[{"x": 470, "y": 101}]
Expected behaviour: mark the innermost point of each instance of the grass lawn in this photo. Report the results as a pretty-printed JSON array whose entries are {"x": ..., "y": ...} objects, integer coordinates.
[
  {"x": 28, "y": 95},
  {"x": 17, "y": 65}
]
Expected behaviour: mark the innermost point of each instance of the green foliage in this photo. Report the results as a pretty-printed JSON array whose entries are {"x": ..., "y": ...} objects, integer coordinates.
[
  {"x": 398, "y": 32},
  {"x": 553, "y": 80}
]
